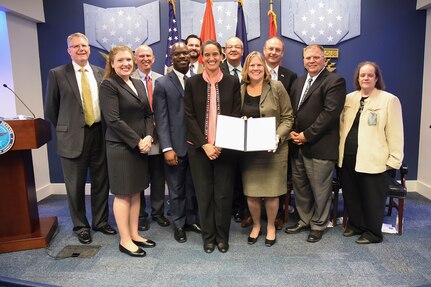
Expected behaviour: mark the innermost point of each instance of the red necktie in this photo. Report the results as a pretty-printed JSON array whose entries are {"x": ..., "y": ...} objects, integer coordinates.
[{"x": 149, "y": 90}]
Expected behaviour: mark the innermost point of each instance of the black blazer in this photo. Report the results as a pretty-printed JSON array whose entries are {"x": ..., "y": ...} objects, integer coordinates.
[
  {"x": 63, "y": 108},
  {"x": 195, "y": 102},
  {"x": 287, "y": 77},
  {"x": 127, "y": 116},
  {"x": 319, "y": 115}
]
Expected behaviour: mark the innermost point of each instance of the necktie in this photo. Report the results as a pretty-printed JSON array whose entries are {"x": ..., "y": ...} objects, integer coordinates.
[
  {"x": 87, "y": 100},
  {"x": 274, "y": 75},
  {"x": 149, "y": 90},
  {"x": 192, "y": 70},
  {"x": 305, "y": 92},
  {"x": 235, "y": 72}
]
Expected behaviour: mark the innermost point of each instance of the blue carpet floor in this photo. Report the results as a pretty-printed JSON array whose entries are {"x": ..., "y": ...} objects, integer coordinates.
[{"x": 334, "y": 261}]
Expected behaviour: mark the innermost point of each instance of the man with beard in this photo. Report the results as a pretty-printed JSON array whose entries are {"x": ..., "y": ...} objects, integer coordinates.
[
  {"x": 194, "y": 43},
  {"x": 144, "y": 59},
  {"x": 171, "y": 125}
]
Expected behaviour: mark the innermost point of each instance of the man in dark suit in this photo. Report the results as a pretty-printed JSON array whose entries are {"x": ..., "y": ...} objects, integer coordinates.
[
  {"x": 194, "y": 44},
  {"x": 171, "y": 126},
  {"x": 318, "y": 99},
  {"x": 144, "y": 59},
  {"x": 274, "y": 52},
  {"x": 234, "y": 49},
  {"x": 72, "y": 106}
]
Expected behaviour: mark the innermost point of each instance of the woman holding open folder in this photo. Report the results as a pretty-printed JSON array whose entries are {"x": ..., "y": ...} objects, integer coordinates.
[
  {"x": 264, "y": 173},
  {"x": 207, "y": 95}
]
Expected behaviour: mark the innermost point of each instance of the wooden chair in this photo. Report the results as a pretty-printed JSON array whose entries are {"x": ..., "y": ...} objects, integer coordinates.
[{"x": 397, "y": 192}]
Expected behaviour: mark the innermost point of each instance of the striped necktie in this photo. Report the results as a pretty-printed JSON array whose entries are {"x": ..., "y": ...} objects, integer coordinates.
[{"x": 305, "y": 92}]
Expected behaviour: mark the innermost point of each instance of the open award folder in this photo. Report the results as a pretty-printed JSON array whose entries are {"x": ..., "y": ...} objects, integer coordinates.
[{"x": 253, "y": 134}]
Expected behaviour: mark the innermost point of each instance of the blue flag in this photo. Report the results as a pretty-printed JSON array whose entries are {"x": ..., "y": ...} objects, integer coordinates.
[
  {"x": 173, "y": 35},
  {"x": 241, "y": 31}
]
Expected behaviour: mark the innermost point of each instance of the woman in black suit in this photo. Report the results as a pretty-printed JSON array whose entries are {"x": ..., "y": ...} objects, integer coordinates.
[
  {"x": 207, "y": 95},
  {"x": 126, "y": 110}
]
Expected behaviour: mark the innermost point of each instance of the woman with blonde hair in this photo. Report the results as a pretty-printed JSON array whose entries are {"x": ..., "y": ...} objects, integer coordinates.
[{"x": 264, "y": 173}]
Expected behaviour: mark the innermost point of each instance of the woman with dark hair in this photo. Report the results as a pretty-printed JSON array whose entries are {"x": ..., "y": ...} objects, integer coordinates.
[
  {"x": 127, "y": 113},
  {"x": 371, "y": 142},
  {"x": 264, "y": 174},
  {"x": 207, "y": 95}
]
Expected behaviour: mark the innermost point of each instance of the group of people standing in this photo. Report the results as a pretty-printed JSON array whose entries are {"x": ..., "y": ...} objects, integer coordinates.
[{"x": 154, "y": 128}]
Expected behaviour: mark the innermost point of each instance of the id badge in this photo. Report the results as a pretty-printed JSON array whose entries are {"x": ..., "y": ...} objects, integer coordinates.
[{"x": 372, "y": 119}]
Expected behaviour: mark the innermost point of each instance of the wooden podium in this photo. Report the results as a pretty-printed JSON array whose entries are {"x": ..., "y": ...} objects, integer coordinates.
[{"x": 20, "y": 225}]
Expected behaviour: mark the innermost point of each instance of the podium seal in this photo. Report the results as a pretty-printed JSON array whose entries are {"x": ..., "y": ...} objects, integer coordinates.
[{"x": 7, "y": 137}]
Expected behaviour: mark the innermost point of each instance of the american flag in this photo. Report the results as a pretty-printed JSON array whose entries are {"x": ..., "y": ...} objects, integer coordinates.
[{"x": 173, "y": 35}]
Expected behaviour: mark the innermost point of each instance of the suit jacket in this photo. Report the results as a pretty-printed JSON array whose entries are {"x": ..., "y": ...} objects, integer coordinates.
[
  {"x": 195, "y": 99},
  {"x": 380, "y": 144},
  {"x": 319, "y": 115},
  {"x": 274, "y": 102},
  {"x": 128, "y": 117},
  {"x": 224, "y": 67},
  {"x": 63, "y": 107},
  {"x": 286, "y": 77},
  {"x": 155, "y": 147},
  {"x": 168, "y": 104}
]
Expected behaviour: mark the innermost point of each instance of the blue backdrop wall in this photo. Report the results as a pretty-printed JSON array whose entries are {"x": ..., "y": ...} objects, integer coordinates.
[{"x": 392, "y": 34}]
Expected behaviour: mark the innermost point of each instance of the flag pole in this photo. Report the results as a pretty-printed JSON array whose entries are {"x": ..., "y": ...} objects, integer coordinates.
[{"x": 270, "y": 4}]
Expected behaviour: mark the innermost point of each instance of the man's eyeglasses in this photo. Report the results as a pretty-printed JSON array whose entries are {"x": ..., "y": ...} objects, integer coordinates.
[{"x": 78, "y": 46}]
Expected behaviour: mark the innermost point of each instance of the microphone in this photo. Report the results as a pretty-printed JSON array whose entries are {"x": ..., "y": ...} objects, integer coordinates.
[{"x": 4, "y": 85}]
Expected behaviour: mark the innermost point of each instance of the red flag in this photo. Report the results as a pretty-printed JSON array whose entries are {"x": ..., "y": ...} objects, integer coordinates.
[
  {"x": 208, "y": 27},
  {"x": 272, "y": 24}
]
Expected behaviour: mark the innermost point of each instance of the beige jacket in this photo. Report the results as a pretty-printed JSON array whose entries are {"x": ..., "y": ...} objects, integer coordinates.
[{"x": 380, "y": 131}]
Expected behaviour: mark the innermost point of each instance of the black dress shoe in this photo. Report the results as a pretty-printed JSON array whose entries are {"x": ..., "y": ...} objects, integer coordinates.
[
  {"x": 315, "y": 236},
  {"x": 296, "y": 228},
  {"x": 364, "y": 240},
  {"x": 137, "y": 253},
  {"x": 237, "y": 217},
  {"x": 143, "y": 225},
  {"x": 85, "y": 237},
  {"x": 209, "y": 247},
  {"x": 222, "y": 247},
  {"x": 194, "y": 227},
  {"x": 180, "y": 235},
  {"x": 107, "y": 229},
  {"x": 253, "y": 240},
  {"x": 145, "y": 244},
  {"x": 269, "y": 243},
  {"x": 161, "y": 220},
  {"x": 350, "y": 232}
]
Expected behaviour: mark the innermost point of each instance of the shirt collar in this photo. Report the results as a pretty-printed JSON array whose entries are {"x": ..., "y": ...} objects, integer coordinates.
[
  {"x": 77, "y": 67},
  {"x": 143, "y": 75}
]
